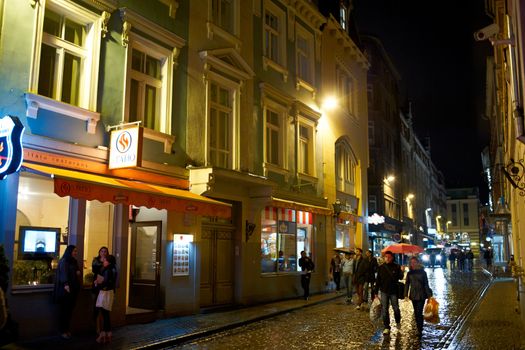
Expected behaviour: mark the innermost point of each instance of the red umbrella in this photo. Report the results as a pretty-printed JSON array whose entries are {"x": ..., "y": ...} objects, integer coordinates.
[{"x": 403, "y": 248}]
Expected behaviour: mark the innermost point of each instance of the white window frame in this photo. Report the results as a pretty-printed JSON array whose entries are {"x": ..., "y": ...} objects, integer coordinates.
[
  {"x": 308, "y": 81},
  {"x": 165, "y": 57},
  {"x": 279, "y": 64},
  {"x": 282, "y": 114},
  {"x": 346, "y": 168},
  {"x": 234, "y": 88},
  {"x": 90, "y": 66},
  {"x": 215, "y": 28},
  {"x": 311, "y": 126}
]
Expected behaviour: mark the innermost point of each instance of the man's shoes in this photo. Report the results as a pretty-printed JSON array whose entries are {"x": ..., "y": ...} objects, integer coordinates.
[{"x": 386, "y": 331}]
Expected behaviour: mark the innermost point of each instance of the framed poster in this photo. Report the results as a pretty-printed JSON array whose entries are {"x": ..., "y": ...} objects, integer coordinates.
[{"x": 181, "y": 254}]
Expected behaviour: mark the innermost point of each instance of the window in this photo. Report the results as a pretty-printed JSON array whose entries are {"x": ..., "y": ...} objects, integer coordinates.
[
  {"x": 305, "y": 149},
  {"x": 371, "y": 133},
  {"x": 148, "y": 85},
  {"x": 220, "y": 125},
  {"x": 345, "y": 89},
  {"x": 454, "y": 210},
  {"x": 345, "y": 164},
  {"x": 274, "y": 138},
  {"x": 38, "y": 206},
  {"x": 223, "y": 14},
  {"x": 274, "y": 33},
  {"x": 68, "y": 57},
  {"x": 305, "y": 55},
  {"x": 466, "y": 217},
  {"x": 342, "y": 16},
  {"x": 284, "y": 234},
  {"x": 372, "y": 204}
]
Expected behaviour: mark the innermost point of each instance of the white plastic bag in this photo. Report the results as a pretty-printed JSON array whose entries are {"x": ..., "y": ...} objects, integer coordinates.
[{"x": 375, "y": 310}]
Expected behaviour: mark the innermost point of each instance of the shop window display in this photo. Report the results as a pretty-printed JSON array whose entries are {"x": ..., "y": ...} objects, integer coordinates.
[
  {"x": 38, "y": 207},
  {"x": 284, "y": 234}
]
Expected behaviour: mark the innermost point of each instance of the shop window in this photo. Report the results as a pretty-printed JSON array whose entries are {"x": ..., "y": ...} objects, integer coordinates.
[
  {"x": 98, "y": 233},
  {"x": 38, "y": 207},
  {"x": 284, "y": 234}
]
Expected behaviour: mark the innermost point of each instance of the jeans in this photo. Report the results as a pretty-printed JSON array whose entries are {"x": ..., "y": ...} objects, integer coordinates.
[
  {"x": 305, "y": 283},
  {"x": 418, "y": 313},
  {"x": 359, "y": 289},
  {"x": 386, "y": 300},
  {"x": 348, "y": 282},
  {"x": 337, "y": 280},
  {"x": 368, "y": 289}
]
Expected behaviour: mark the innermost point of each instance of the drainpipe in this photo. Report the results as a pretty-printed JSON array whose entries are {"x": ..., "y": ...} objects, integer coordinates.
[{"x": 517, "y": 108}]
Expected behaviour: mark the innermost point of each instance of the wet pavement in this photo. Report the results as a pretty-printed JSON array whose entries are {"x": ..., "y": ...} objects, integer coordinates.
[{"x": 336, "y": 325}]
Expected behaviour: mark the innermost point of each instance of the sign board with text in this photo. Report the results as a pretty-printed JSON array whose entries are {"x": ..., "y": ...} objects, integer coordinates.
[{"x": 125, "y": 149}]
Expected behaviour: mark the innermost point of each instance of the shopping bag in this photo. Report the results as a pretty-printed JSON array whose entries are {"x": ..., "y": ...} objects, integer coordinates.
[
  {"x": 375, "y": 310},
  {"x": 105, "y": 299},
  {"x": 331, "y": 286},
  {"x": 431, "y": 311}
]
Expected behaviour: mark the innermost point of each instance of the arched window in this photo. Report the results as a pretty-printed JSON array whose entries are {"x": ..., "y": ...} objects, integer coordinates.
[{"x": 345, "y": 167}]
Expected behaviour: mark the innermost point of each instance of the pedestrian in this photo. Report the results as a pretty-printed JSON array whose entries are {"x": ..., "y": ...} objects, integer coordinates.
[
  {"x": 388, "y": 276},
  {"x": 470, "y": 259},
  {"x": 452, "y": 260},
  {"x": 360, "y": 275},
  {"x": 96, "y": 268},
  {"x": 487, "y": 255},
  {"x": 307, "y": 266},
  {"x": 461, "y": 260},
  {"x": 106, "y": 296},
  {"x": 417, "y": 290},
  {"x": 67, "y": 287},
  {"x": 348, "y": 271},
  {"x": 335, "y": 270},
  {"x": 370, "y": 276}
]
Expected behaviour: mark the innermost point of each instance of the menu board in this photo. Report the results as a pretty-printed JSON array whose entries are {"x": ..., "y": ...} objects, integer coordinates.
[{"x": 181, "y": 255}]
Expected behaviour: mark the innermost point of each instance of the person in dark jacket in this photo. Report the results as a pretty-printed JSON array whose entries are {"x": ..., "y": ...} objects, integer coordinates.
[
  {"x": 360, "y": 274},
  {"x": 67, "y": 286},
  {"x": 335, "y": 270},
  {"x": 307, "y": 266},
  {"x": 417, "y": 290},
  {"x": 388, "y": 276},
  {"x": 370, "y": 275},
  {"x": 107, "y": 283}
]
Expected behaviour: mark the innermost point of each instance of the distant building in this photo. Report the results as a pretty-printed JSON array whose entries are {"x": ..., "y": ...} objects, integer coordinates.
[{"x": 463, "y": 210}]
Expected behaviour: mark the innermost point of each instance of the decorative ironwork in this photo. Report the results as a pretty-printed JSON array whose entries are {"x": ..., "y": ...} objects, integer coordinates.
[{"x": 515, "y": 172}]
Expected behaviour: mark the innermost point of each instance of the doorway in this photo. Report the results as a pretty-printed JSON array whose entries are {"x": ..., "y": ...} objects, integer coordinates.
[
  {"x": 144, "y": 283},
  {"x": 217, "y": 265}
]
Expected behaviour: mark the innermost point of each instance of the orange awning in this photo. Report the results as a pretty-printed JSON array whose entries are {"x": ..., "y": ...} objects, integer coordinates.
[{"x": 119, "y": 191}]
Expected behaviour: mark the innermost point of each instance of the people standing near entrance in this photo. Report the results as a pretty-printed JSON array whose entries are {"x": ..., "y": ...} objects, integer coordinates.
[
  {"x": 370, "y": 275},
  {"x": 106, "y": 285},
  {"x": 96, "y": 268},
  {"x": 417, "y": 290},
  {"x": 470, "y": 259},
  {"x": 360, "y": 274},
  {"x": 335, "y": 270},
  {"x": 67, "y": 286},
  {"x": 348, "y": 271},
  {"x": 388, "y": 276},
  {"x": 307, "y": 266}
]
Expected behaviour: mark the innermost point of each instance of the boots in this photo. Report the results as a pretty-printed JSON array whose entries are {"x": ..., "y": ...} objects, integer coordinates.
[{"x": 101, "y": 337}]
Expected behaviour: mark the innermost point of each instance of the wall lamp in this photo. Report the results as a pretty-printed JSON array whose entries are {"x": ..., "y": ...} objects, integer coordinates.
[
  {"x": 337, "y": 207},
  {"x": 515, "y": 173}
]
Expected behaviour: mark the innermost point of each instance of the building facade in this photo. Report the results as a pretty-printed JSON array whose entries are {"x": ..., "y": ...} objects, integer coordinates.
[{"x": 463, "y": 212}]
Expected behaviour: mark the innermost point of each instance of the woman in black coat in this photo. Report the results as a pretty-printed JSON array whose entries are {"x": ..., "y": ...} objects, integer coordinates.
[
  {"x": 418, "y": 290},
  {"x": 67, "y": 286}
]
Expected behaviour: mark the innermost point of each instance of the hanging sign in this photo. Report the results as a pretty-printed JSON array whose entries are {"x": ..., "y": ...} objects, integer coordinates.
[
  {"x": 125, "y": 149},
  {"x": 11, "y": 155}
]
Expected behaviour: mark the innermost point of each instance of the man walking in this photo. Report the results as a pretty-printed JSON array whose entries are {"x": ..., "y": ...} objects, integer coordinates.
[
  {"x": 348, "y": 271},
  {"x": 370, "y": 275},
  {"x": 360, "y": 274},
  {"x": 388, "y": 275},
  {"x": 307, "y": 266}
]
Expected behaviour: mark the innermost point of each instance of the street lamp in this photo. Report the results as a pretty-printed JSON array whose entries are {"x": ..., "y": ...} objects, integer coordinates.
[
  {"x": 410, "y": 196},
  {"x": 448, "y": 223},
  {"x": 390, "y": 178}
]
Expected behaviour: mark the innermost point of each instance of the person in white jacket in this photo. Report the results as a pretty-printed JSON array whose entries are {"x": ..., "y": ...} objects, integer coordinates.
[{"x": 348, "y": 272}]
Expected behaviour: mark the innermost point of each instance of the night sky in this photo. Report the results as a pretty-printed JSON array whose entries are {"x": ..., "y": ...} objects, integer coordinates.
[{"x": 443, "y": 73}]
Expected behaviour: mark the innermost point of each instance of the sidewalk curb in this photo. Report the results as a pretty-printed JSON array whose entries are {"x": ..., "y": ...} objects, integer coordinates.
[
  {"x": 457, "y": 328},
  {"x": 220, "y": 328}
]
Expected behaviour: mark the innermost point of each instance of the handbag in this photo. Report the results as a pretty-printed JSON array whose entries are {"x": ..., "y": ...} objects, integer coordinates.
[{"x": 105, "y": 299}]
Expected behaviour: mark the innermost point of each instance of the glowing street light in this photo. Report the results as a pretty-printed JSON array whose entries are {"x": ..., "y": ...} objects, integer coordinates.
[
  {"x": 390, "y": 178},
  {"x": 410, "y": 196},
  {"x": 329, "y": 103}
]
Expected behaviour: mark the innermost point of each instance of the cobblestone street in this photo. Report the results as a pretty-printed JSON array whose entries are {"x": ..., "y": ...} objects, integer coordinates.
[{"x": 336, "y": 325}]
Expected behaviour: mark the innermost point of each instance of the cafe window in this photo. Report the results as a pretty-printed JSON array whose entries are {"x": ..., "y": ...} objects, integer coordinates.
[
  {"x": 41, "y": 231},
  {"x": 284, "y": 234},
  {"x": 98, "y": 233}
]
